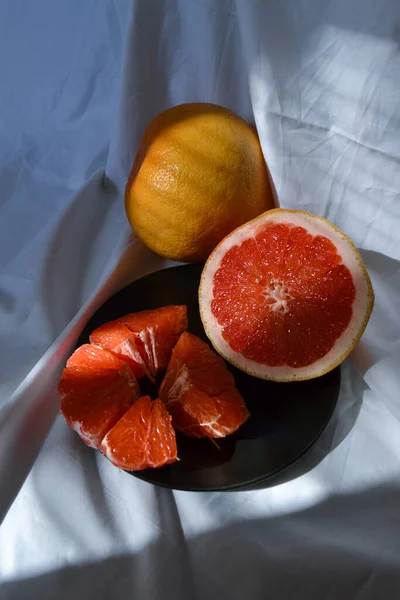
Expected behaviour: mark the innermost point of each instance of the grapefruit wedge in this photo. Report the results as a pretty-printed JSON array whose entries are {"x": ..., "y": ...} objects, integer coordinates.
[
  {"x": 286, "y": 296},
  {"x": 199, "y": 391},
  {"x": 96, "y": 389},
  {"x": 155, "y": 333},
  {"x": 143, "y": 438},
  {"x": 118, "y": 339}
]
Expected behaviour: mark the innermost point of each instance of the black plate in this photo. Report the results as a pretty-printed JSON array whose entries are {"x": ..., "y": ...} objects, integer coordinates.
[{"x": 286, "y": 418}]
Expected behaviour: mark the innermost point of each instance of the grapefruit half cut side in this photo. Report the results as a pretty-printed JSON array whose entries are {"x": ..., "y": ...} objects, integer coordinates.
[
  {"x": 96, "y": 388},
  {"x": 199, "y": 391},
  {"x": 143, "y": 437},
  {"x": 286, "y": 296},
  {"x": 156, "y": 333}
]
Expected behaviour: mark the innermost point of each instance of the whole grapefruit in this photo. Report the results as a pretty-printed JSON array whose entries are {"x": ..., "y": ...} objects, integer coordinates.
[{"x": 198, "y": 174}]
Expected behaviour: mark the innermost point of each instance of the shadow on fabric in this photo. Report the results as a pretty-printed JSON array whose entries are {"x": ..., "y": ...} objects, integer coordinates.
[{"x": 346, "y": 547}]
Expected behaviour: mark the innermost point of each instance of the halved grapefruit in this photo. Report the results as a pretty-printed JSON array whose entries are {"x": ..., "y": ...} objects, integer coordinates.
[
  {"x": 142, "y": 438},
  {"x": 156, "y": 333},
  {"x": 96, "y": 389},
  {"x": 286, "y": 296},
  {"x": 199, "y": 391}
]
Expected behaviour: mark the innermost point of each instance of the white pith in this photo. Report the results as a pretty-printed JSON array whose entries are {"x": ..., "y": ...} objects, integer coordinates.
[
  {"x": 90, "y": 440},
  {"x": 147, "y": 336},
  {"x": 350, "y": 257},
  {"x": 277, "y": 296},
  {"x": 128, "y": 349},
  {"x": 108, "y": 451},
  {"x": 180, "y": 385}
]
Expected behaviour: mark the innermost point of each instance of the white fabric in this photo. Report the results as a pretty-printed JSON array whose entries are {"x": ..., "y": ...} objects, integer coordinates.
[{"x": 321, "y": 80}]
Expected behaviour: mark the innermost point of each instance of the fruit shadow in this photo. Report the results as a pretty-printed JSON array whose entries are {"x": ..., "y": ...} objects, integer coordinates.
[{"x": 338, "y": 427}]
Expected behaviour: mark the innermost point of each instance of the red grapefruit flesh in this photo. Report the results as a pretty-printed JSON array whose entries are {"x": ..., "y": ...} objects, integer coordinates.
[
  {"x": 142, "y": 438},
  {"x": 199, "y": 391},
  {"x": 286, "y": 296},
  {"x": 118, "y": 339},
  {"x": 96, "y": 388},
  {"x": 157, "y": 332}
]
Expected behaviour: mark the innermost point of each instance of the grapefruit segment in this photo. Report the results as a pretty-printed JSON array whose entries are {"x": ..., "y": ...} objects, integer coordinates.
[
  {"x": 199, "y": 391},
  {"x": 96, "y": 388},
  {"x": 286, "y": 296},
  {"x": 142, "y": 438},
  {"x": 156, "y": 333},
  {"x": 118, "y": 339}
]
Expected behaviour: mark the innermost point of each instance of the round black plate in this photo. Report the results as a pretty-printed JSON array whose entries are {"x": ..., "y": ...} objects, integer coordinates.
[{"x": 286, "y": 418}]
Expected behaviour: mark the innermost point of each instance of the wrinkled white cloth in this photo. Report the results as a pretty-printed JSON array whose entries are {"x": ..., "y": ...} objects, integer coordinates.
[{"x": 79, "y": 82}]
